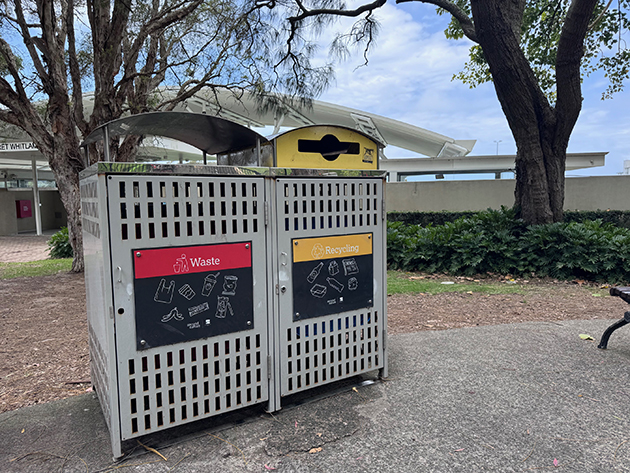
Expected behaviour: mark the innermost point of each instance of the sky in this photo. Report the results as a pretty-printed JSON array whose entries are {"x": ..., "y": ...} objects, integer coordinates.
[{"x": 408, "y": 78}]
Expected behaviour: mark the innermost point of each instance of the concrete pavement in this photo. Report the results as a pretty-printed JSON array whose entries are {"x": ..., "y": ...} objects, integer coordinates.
[
  {"x": 23, "y": 248},
  {"x": 522, "y": 397}
]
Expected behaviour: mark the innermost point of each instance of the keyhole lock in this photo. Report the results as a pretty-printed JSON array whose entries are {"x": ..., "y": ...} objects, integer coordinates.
[{"x": 283, "y": 289}]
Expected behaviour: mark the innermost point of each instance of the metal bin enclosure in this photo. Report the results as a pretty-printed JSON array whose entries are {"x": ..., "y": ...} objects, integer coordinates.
[
  {"x": 207, "y": 349},
  {"x": 213, "y": 288}
]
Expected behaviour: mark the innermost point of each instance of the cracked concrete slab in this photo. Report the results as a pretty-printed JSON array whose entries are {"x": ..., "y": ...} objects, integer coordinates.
[{"x": 303, "y": 428}]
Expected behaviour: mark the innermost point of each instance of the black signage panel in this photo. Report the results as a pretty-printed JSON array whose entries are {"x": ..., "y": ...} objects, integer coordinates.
[
  {"x": 188, "y": 293},
  {"x": 332, "y": 275}
]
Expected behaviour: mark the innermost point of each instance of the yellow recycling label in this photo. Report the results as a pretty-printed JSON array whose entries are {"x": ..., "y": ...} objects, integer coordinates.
[{"x": 322, "y": 248}]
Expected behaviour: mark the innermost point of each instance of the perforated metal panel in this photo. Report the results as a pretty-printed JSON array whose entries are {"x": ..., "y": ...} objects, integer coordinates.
[
  {"x": 175, "y": 384},
  {"x": 101, "y": 334},
  {"x": 327, "y": 348}
]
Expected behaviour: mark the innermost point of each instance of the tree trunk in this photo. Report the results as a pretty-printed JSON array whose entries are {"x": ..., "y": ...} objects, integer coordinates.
[
  {"x": 540, "y": 140},
  {"x": 66, "y": 163},
  {"x": 539, "y": 192},
  {"x": 62, "y": 154},
  {"x": 67, "y": 179}
]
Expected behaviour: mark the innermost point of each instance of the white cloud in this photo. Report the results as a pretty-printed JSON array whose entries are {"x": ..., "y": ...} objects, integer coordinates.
[{"x": 408, "y": 78}]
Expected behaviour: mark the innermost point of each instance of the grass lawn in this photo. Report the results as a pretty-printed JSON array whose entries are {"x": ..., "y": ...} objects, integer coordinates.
[
  {"x": 35, "y": 268},
  {"x": 401, "y": 282}
]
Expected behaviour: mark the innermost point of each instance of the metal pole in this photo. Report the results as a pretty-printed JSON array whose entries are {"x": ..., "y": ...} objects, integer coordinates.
[
  {"x": 106, "y": 143},
  {"x": 497, "y": 142},
  {"x": 205, "y": 157},
  {"x": 258, "y": 151},
  {"x": 38, "y": 213},
  {"x": 86, "y": 155}
]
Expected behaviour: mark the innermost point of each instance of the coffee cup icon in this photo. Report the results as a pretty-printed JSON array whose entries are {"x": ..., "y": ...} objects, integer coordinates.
[
  {"x": 229, "y": 285},
  {"x": 208, "y": 284}
]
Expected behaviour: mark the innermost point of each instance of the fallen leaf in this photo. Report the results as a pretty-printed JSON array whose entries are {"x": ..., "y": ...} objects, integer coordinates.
[
  {"x": 267, "y": 467},
  {"x": 459, "y": 450},
  {"x": 584, "y": 336},
  {"x": 23, "y": 430},
  {"x": 319, "y": 434},
  {"x": 555, "y": 462},
  {"x": 315, "y": 450}
]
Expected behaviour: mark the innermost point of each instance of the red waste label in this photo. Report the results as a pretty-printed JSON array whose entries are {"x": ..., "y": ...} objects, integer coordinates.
[{"x": 191, "y": 259}]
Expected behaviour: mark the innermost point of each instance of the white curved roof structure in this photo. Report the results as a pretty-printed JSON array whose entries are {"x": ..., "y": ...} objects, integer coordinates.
[{"x": 246, "y": 111}]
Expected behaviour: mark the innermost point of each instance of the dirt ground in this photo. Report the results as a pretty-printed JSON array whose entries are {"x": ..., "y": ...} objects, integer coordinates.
[{"x": 43, "y": 330}]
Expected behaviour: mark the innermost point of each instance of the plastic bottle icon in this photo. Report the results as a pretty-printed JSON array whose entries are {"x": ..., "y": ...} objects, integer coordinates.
[{"x": 315, "y": 272}]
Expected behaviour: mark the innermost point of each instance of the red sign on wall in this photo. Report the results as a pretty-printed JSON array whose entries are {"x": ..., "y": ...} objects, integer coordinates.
[{"x": 23, "y": 208}]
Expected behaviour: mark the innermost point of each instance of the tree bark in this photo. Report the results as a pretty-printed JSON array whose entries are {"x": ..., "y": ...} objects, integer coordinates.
[
  {"x": 541, "y": 136},
  {"x": 67, "y": 178}
]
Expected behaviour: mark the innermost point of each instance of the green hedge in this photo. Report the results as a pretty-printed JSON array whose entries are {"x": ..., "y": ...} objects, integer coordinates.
[
  {"x": 495, "y": 241},
  {"x": 427, "y": 218},
  {"x": 619, "y": 218}
]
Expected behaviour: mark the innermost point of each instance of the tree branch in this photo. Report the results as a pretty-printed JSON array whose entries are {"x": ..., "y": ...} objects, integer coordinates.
[
  {"x": 334, "y": 11},
  {"x": 468, "y": 27},
  {"x": 601, "y": 15},
  {"x": 9, "y": 59},
  {"x": 568, "y": 62},
  {"x": 75, "y": 71},
  {"x": 9, "y": 117},
  {"x": 161, "y": 21},
  {"x": 30, "y": 45}
]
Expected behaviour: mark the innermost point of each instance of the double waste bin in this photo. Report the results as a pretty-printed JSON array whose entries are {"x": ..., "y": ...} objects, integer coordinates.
[{"x": 213, "y": 288}]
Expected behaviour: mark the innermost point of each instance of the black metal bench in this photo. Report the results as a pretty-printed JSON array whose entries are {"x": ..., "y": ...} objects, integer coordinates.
[{"x": 624, "y": 293}]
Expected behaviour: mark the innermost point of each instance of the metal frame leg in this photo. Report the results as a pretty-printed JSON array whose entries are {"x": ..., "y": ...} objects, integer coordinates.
[{"x": 620, "y": 323}]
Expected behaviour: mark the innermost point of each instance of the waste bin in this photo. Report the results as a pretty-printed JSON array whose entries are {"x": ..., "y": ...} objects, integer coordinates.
[{"x": 213, "y": 288}]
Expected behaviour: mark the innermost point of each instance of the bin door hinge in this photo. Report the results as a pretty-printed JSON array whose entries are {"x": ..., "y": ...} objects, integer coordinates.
[
  {"x": 383, "y": 211},
  {"x": 277, "y": 290},
  {"x": 269, "y": 366},
  {"x": 266, "y": 214}
]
